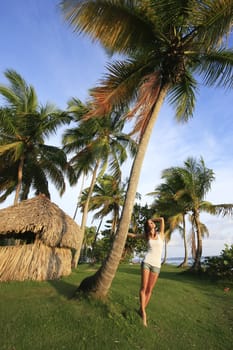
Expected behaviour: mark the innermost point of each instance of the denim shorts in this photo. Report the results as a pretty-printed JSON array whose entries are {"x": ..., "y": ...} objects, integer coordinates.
[{"x": 149, "y": 267}]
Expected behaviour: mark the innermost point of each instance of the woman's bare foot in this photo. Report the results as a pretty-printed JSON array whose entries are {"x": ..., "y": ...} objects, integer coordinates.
[{"x": 144, "y": 318}]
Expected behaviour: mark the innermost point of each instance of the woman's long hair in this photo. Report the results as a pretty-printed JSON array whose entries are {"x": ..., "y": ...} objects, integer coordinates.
[{"x": 147, "y": 229}]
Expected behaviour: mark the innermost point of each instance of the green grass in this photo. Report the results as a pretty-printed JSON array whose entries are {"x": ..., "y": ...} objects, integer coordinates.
[{"x": 185, "y": 312}]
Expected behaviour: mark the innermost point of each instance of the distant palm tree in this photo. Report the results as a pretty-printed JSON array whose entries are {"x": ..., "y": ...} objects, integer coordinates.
[
  {"x": 97, "y": 144},
  {"x": 87, "y": 244},
  {"x": 108, "y": 198},
  {"x": 77, "y": 142},
  {"x": 24, "y": 127},
  {"x": 195, "y": 183},
  {"x": 183, "y": 189},
  {"x": 165, "y": 46}
]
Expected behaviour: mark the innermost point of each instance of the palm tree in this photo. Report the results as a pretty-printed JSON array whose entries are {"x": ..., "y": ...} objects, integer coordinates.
[
  {"x": 197, "y": 179},
  {"x": 165, "y": 45},
  {"x": 87, "y": 244},
  {"x": 98, "y": 143},
  {"x": 24, "y": 126},
  {"x": 108, "y": 198},
  {"x": 183, "y": 193}
]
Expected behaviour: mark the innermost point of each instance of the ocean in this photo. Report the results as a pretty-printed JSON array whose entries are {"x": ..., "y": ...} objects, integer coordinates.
[{"x": 176, "y": 261}]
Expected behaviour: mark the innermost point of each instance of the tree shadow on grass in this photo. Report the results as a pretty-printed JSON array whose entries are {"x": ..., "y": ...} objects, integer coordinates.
[
  {"x": 64, "y": 288},
  {"x": 171, "y": 275}
]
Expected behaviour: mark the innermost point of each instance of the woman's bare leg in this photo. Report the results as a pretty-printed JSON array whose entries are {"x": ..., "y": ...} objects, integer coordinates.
[
  {"x": 148, "y": 281},
  {"x": 153, "y": 277},
  {"x": 144, "y": 282}
]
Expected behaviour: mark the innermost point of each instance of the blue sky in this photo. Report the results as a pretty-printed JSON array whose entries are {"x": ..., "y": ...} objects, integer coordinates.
[{"x": 39, "y": 45}]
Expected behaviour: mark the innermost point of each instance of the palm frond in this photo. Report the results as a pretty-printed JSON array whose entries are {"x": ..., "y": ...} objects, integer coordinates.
[
  {"x": 9, "y": 190},
  {"x": 35, "y": 178},
  {"x": 147, "y": 97},
  {"x": 217, "y": 68},
  {"x": 51, "y": 119},
  {"x": 208, "y": 207},
  {"x": 19, "y": 94},
  {"x": 14, "y": 148},
  {"x": 32, "y": 101},
  {"x": 100, "y": 20},
  {"x": 173, "y": 13},
  {"x": 10, "y": 98},
  {"x": 119, "y": 86},
  {"x": 182, "y": 95},
  {"x": 223, "y": 209},
  {"x": 213, "y": 22}
]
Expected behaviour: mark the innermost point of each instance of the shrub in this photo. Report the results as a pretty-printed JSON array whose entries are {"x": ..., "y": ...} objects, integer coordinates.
[{"x": 221, "y": 267}]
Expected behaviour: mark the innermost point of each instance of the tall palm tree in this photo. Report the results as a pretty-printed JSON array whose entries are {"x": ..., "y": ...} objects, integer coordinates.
[
  {"x": 24, "y": 127},
  {"x": 166, "y": 45},
  {"x": 98, "y": 144}
]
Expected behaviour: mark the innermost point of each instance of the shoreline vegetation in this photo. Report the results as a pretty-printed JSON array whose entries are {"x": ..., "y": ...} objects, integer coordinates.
[{"x": 186, "y": 312}]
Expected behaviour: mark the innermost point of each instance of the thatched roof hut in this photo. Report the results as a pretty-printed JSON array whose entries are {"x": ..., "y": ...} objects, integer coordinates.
[{"x": 42, "y": 236}]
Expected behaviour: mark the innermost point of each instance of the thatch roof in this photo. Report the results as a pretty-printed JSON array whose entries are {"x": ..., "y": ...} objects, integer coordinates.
[
  {"x": 54, "y": 234},
  {"x": 52, "y": 226}
]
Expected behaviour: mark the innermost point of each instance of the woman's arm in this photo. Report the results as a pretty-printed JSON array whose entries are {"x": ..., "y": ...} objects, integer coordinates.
[
  {"x": 135, "y": 235},
  {"x": 161, "y": 221}
]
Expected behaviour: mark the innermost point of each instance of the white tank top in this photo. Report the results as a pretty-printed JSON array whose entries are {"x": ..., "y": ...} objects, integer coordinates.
[{"x": 154, "y": 252}]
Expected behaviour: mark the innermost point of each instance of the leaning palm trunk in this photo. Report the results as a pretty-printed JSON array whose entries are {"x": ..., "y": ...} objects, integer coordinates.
[
  {"x": 100, "y": 283},
  {"x": 96, "y": 234},
  {"x": 165, "y": 252},
  {"x": 115, "y": 221},
  {"x": 80, "y": 193},
  {"x": 193, "y": 244},
  {"x": 84, "y": 216},
  {"x": 197, "y": 261},
  {"x": 185, "y": 261},
  {"x": 20, "y": 177}
]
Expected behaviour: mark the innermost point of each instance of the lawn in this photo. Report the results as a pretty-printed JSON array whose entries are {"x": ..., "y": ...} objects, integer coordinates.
[{"x": 185, "y": 312}]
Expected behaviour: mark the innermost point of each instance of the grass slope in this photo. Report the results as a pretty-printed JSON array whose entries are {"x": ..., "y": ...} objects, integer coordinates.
[{"x": 184, "y": 313}]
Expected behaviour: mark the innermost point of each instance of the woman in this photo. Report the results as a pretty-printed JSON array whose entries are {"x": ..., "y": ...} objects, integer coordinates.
[{"x": 151, "y": 264}]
